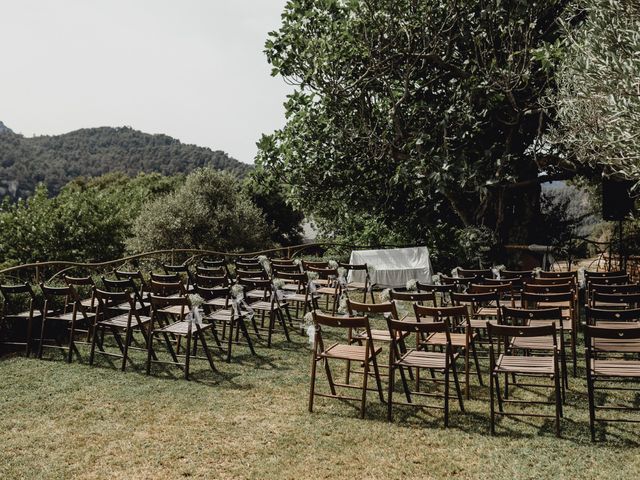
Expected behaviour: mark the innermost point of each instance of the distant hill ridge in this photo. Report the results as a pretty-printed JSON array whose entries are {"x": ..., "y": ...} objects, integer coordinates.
[{"x": 89, "y": 152}]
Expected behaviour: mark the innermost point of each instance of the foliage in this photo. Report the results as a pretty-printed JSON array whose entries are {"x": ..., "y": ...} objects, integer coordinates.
[
  {"x": 405, "y": 111},
  {"x": 598, "y": 96},
  {"x": 269, "y": 195},
  {"x": 209, "y": 211},
  {"x": 55, "y": 160},
  {"x": 476, "y": 243},
  {"x": 88, "y": 221}
]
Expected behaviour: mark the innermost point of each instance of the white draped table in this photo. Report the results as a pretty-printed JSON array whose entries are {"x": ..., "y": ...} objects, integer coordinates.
[{"x": 393, "y": 266}]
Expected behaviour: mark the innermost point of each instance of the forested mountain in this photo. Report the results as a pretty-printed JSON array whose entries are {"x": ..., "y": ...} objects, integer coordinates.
[{"x": 89, "y": 152}]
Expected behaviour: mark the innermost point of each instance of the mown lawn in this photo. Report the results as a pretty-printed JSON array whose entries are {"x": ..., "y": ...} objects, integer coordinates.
[{"x": 250, "y": 420}]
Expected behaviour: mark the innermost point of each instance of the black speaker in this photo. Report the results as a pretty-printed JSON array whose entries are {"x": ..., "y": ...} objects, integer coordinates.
[{"x": 617, "y": 201}]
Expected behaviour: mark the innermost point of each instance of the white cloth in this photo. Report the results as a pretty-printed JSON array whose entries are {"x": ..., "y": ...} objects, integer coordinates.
[{"x": 393, "y": 267}]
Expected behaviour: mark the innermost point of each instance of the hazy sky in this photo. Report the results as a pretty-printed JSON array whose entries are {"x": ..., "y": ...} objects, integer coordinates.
[{"x": 193, "y": 69}]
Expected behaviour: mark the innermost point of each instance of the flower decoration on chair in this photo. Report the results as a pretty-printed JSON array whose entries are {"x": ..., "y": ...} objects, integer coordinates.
[
  {"x": 196, "y": 302},
  {"x": 385, "y": 295},
  {"x": 264, "y": 261},
  {"x": 309, "y": 327},
  {"x": 412, "y": 285}
]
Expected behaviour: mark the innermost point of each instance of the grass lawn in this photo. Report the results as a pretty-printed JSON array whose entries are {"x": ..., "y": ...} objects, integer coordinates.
[{"x": 250, "y": 420}]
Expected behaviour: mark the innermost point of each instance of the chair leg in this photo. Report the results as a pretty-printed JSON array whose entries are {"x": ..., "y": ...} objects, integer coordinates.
[
  {"x": 376, "y": 372},
  {"x": 457, "y": 385},
  {"x": 27, "y": 346},
  {"x": 270, "y": 332},
  {"x": 477, "y": 363},
  {"x": 205, "y": 347},
  {"x": 149, "y": 350},
  {"x": 365, "y": 378},
  {"x": 187, "y": 357},
  {"x": 391, "y": 383},
  {"x": 327, "y": 370},
  {"x": 446, "y": 398},
  {"x": 314, "y": 365},
  {"x": 72, "y": 332},
  {"x": 592, "y": 404},
  {"x": 93, "y": 346},
  {"x": 125, "y": 353},
  {"x": 492, "y": 417},
  {"x": 230, "y": 339},
  {"x": 245, "y": 333},
  {"x": 556, "y": 379}
]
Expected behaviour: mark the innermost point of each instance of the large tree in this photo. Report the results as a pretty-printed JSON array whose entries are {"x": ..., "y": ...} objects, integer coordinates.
[
  {"x": 410, "y": 116},
  {"x": 598, "y": 95}
]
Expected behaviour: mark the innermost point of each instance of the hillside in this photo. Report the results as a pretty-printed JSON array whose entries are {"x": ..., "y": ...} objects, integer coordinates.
[{"x": 55, "y": 160}]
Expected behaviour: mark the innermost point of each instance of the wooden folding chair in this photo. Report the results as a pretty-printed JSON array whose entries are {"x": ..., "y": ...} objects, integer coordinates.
[
  {"x": 298, "y": 292},
  {"x": 330, "y": 287},
  {"x": 483, "y": 307},
  {"x": 136, "y": 276},
  {"x": 182, "y": 327},
  {"x": 532, "y": 345},
  {"x": 215, "y": 290},
  {"x": 84, "y": 289},
  {"x": 615, "y": 289},
  {"x": 442, "y": 291},
  {"x": 365, "y": 286},
  {"x": 475, "y": 272},
  {"x": 57, "y": 302},
  {"x": 109, "y": 316},
  {"x": 268, "y": 305},
  {"x": 123, "y": 285},
  {"x": 16, "y": 298},
  {"x": 460, "y": 336},
  {"x": 606, "y": 349},
  {"x": 365, "y": 353},
  {"x": 183, "y": 272},
  {"x": 566, "y": 301},
  {"x": 443, "y": 362},
  {"x": 504, "y": 361},
  {"x": 420, "y": 298}
]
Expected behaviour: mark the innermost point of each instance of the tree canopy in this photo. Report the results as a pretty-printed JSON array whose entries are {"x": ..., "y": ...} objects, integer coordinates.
[
  {"x": 407, "y": 113},
  {"x": 598, "y": 96},
  {"x": 210, "y": 211}
]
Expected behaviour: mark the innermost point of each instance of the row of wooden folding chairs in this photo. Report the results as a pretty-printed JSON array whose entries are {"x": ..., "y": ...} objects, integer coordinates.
[{"x": 361, "y": 348}]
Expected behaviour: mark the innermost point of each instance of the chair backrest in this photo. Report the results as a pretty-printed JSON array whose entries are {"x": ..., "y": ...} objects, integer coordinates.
[
  {"x": 615, "y": 288},
  {"x": 613, "y": 332},
  {"x": 461, "y": 283},
  {"x": 595, "y": 315},
  {"x": 513, "y": 274},
  {"x": 14, "y": 296},
  {"x": 297, "y": 277},
  {"x": 476, "y": 299},
  {"x": 324, "y": 273},
  {"x": 318, "y": 264},
  {"x": 248, "y": 265},
  {"x": 257, "y": 284},
  {"x": 166, "y": 289},
  {"x": 181, "y": 270},
  {"x": 625, "y": 300},
  {"x": 499, "y": 335},
  {"x": 396, "y": 326},
  {"x": 211, "y": 271},
  {"x": 165, "y": 277},
  {"x": 159, "y": 302},
  {"x": 553, "y": 288},
  {"x": 281, "y": 262},
  {"x": 79, "y": 281},
  {"x": 354, "y": 266},
  {"x": 211, "y": 281},
  {"x": 593, "y": 274},
  {"x": 475, "y": 272},
  {"x": 277, "y": 269},
  {"x": 209, "y": 293},
  {"x": 137, "y": 276},
  {"x": 621, "y": 279},
  {"x": 419, "y": 297},
  {"x": 573, "y": 274},
  {"x": 253, "y": 273},
  {"x": 332, "y": 321},
  {"x": 385, "y": 308},
  {"x": 456, "y": 316},
  {"x": 106, "y": 299},
  {"x": 122, "y": 285},
  {"x": 55, "y": 297},
  {"x": 519, "y": 316},
  {"x": 541, "y": 299},
  {"x": 552, "y": 281},
  {"x": 214, "y": 263},
  {"x": 429, "y": 287},
  {"x": 502, "y": 289}
]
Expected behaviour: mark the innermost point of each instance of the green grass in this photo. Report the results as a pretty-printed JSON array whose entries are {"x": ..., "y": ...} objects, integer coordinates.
[{"x": 250, "y": 420}]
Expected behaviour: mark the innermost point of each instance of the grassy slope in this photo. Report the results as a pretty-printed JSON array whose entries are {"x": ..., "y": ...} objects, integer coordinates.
[{"x": 251, "y": 421}]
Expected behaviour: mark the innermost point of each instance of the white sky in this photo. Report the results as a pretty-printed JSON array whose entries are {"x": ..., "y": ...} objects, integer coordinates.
[{"x": 193, "y": 69}]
